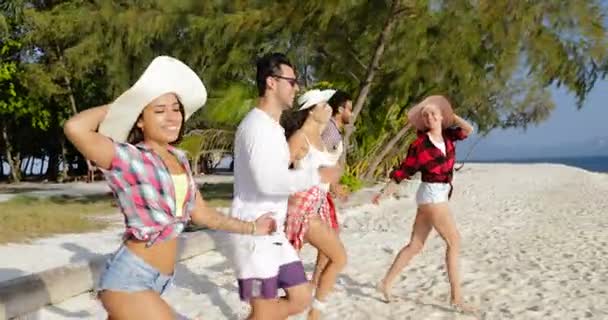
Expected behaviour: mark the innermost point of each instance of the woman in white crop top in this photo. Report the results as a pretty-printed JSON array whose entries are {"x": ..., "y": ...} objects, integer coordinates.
[
  {"x": 313, "y": 158},
  {"x": 308, "y": 216}
]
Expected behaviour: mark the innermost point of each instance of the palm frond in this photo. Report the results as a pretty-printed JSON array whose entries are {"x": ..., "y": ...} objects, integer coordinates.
[{"x": 198, "y": 142}]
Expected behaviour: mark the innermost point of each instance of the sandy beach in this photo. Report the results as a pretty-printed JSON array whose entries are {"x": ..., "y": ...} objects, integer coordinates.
[{"x": 534, "y": 246}]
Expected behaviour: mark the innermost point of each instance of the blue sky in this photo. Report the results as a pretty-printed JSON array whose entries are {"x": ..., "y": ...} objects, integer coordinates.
[{"x": 566, "y": 125}]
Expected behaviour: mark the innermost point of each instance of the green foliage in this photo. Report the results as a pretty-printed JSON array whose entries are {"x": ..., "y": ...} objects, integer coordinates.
[
  {"x": 352, "y": 182},
  {"x": 225, "y": 108},
  {"x": 198, "y": 143},
  {"x": 495, "y": 71},
  {"x": 13, "y": 105},
  {"x": 494, "y": 59}
]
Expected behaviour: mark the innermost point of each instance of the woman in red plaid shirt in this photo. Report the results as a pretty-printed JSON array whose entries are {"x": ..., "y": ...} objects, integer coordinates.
[
  {"x": 433, "y": 154},
  {"x": 308, "y": 213}
]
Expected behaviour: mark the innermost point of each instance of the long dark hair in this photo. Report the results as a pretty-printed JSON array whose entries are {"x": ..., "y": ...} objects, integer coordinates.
[
  {"x": 292, "y": 120},
  {"x": 136, "y": 135}
]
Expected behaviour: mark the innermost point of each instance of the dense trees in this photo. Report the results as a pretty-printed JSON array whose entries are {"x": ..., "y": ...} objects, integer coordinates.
[{"x": 495, "y": 59}]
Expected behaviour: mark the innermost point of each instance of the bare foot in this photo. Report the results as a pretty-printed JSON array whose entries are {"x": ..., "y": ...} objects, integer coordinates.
[
  {"x": 314, "y": 314},
  {"x": 461, "y": 307},
  {"x": 385, "y": 291}
]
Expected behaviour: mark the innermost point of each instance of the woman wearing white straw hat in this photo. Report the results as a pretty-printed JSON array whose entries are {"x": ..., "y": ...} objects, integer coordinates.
[
  {"x": 433, "y": 153},
  {"x": 308, "y": 213},
  {"x": 152, "y": 183}
]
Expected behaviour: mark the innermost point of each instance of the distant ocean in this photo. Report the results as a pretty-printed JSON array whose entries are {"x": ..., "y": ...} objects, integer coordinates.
[{"x": 596, "y": 164}]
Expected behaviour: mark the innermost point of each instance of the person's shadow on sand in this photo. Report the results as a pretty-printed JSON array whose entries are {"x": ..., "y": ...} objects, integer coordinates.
[
  {"x": 96, "y": 261},
  {"x": 10, "y": 273},
  {"x": 202, "y": 284},
  {"x": 354, "y": 287},
  {"x": 82, "y": 253},
  {"x": 10, "y": 298}
]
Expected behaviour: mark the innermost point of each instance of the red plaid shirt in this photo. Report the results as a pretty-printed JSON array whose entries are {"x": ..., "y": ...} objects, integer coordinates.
[
  {"x": 425, "y": 157},
  {"x": 144, "y": 190},
  {"x": 300, "y": 207}
]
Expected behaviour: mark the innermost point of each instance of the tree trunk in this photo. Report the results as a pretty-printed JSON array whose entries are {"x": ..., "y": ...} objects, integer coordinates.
[
  {"x": 14, "y": 164},
  {"x": 195, "y": 165},
  {"x": 66, "y": 163},
  {"x": 371, "y": 71},
  {"x": 17, "y": 163},
  {"x": 68, "y": 82},
  {"x": 68, "y": 85},
  {"x": 53, "y": 166},
  {"x": 26, "y": 166},
  {"x": 387, "y": 148}
]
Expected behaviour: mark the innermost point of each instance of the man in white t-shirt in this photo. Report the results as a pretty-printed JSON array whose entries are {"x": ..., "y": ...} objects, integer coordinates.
[{"x": 263, "y": 183}]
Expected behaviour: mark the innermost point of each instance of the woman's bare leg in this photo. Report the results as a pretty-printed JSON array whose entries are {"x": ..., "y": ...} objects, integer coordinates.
[
  {"x": 297, "y": 300},
  {"x": 322, "y": 261},
  {"x": 444, "y": 223},
  {"x": 420, "y": 232},
  {"x": 141, "y": 305},
  {"x": 322, "y": 237}
]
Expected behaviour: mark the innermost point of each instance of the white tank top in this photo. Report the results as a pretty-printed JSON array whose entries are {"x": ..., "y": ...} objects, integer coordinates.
[
  {"x": 315, "y": 158},
  {"x": 439, "y": 145},
  {"x": 334, "y": 156}
]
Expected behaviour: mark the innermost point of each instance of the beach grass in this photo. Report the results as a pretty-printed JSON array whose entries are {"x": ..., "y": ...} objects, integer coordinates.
[
  {"x": 217, "y": 194},
  {"x": 24, "y": 218}
]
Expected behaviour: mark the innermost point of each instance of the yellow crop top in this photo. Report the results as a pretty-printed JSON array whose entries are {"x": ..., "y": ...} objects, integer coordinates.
[{"x": 180, "y": 183}]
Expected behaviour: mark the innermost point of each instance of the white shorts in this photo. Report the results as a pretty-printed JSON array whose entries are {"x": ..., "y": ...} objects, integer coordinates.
[
  {"x": 430, "y": 192},
  {"x": 265, "y": 264}
]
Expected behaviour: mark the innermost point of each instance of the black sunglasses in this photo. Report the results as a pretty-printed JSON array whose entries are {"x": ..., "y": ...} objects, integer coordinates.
[{"x": 291, "y": 81}]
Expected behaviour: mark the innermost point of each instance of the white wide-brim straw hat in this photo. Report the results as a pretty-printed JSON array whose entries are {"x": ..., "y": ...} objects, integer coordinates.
[
  {"x": 415, "y": 113},
  {"x": 313, "y": 97},
  {"x": 163, "y": 75}
]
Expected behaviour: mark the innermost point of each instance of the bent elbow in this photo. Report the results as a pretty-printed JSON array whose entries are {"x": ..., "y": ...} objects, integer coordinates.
[{"x": 70, "y": 129}]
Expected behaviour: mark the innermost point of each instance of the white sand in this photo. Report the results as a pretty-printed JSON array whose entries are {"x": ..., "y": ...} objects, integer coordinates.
[
  {"x": 19, "y": 259},
  {"x": 535, "y": 246},
  {"x": 39, "y": 255}
]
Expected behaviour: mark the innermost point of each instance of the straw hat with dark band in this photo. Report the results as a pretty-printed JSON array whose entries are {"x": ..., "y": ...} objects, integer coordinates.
[{"x": 415, "y": 113}]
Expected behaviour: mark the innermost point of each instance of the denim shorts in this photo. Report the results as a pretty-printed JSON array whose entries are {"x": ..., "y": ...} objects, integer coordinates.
[
  {"x": 432, "y": 192},
  {"x": 127, "y": 272}
]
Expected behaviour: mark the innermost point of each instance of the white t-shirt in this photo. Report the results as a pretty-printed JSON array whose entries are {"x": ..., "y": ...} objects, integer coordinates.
[
  {"x": 262, "y": 178},
  {"x": 440, "y": 145}
]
